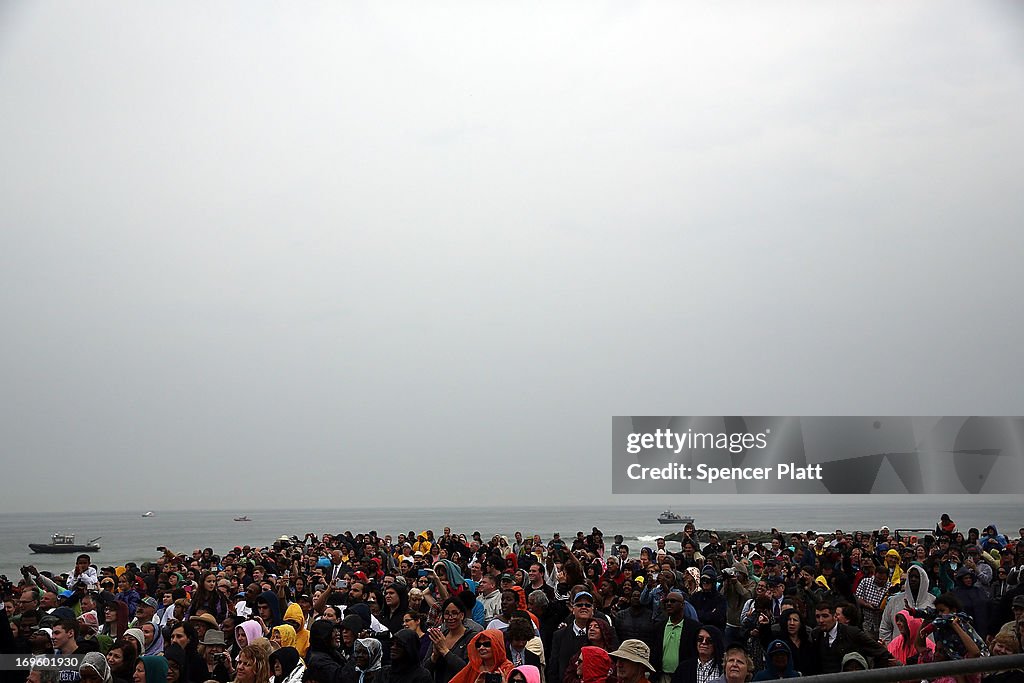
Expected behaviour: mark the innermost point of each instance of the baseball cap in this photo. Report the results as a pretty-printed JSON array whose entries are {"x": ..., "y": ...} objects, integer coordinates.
[{"x": 581, "y": 594}]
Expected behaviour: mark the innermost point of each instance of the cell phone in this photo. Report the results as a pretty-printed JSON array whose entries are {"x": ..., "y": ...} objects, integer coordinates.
[
  {"x": 341, "y": 583},
  {"x": 492, "y": 677}
]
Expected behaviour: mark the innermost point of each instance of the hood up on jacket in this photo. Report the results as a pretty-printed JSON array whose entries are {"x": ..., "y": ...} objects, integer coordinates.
[
  {"x": 597, "y": 665},
  {"x": 374, "y": 653},
  {"x": 270, "y": 597},
  {"x": 295, "y": 616},
  {"x": 285, "y": 635},
  {"x": 771, "y": 670},
  {"x": 98, "y": 663},
  {"x": 472, "y": 670},
  {"x": 251, "y": 630},
  {"x": 453, "y": 574},
  {"x": 410, "y": 643},
  {"x": 530, "y": 673},
  {"x": 156, "y": 669},
  {"x": 903, "y": 648},
  {"x": 289, "y": 659},
  {"x": 917, "y": 601}
]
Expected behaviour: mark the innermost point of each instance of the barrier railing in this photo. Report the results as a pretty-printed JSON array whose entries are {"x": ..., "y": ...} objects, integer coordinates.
[{"x": 918, "y": 672}]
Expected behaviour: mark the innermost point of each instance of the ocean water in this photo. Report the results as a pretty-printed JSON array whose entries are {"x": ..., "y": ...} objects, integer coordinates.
[{"x": 129, "y": 537}]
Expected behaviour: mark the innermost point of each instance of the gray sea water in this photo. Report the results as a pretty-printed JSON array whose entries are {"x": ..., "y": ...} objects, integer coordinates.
[{"x": 127, "y": 536}]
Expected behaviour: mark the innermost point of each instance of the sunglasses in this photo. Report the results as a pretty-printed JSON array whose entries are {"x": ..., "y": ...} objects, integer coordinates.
[
  {"x": 584, "y": 604},
  {"x": 483, "y": 644}
]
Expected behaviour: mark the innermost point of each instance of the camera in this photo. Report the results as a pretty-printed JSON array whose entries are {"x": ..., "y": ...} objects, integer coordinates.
[
  {"x": 220, "y": 656},
  {"x": 492, "y": 677}
]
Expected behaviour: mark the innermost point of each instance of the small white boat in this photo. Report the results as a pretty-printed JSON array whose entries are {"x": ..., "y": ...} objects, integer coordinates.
[
  {"x": 243, "y": 519},
  {"x": 148, "y": 514}
]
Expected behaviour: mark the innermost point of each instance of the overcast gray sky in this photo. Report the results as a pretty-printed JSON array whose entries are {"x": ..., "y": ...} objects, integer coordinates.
[{"x": 376, "y": 243}]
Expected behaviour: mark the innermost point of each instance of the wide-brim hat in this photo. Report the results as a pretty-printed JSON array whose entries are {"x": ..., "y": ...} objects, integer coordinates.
[
  {"x": 206, "y": 618},
  {"x": 213, "y": 637},
  {"x": 634, "y": 651}
]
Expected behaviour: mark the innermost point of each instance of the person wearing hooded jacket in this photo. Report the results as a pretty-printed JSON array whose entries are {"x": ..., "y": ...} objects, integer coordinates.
[
  {"x": 289, "y": 663},
  {"x": 993, "y": 539},
  {"x": 904, "y": 646},
  {"x": 269, "y": 598},
  {"x": 247, "y": 633},
  {"x": 323, "y": 660},
  {"x": 779, "y": 663},
  {"x": 294, "y": 616},
  {"x": 915, "y": 595},
  {"x": 176, "y": 656},
  {"x": 94, "y": 663},
  {"x": 595, "y": 666},
  {"x": 973, "y": 599},
  {"x": 365, "y": 665},
  {"x": 154, "y": 670},
  {"x": 492, "y": 659},
  {"x": 405, "y": 660},
  {"x": 527, "y": 672}
]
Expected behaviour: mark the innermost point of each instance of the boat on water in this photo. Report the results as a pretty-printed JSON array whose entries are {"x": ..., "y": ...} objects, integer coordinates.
[
  {"x": 669, "y": 517},
  {"x": 244, "y": 518},
  {"x": 65, "y": 543},
  {"x": 147, "y": 514}
]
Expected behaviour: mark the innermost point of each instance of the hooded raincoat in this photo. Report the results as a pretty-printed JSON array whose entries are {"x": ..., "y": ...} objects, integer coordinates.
[
  {"x": 902, "y": 648},
  {"x": 597, "y": 665},
  {"x": 476, "y": 667},
  {"x": 295, "y": 615}
]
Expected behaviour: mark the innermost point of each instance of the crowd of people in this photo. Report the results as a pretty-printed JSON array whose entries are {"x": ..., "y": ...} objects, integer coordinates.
[{"x": 452, "y": 608}]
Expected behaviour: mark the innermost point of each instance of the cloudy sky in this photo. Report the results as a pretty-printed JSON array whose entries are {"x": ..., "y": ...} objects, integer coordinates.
[{"x": 379, "y": 243}]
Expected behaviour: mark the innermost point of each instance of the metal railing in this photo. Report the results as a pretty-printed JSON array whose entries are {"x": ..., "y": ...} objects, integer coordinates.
[{"x": 917, "y": 672}]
